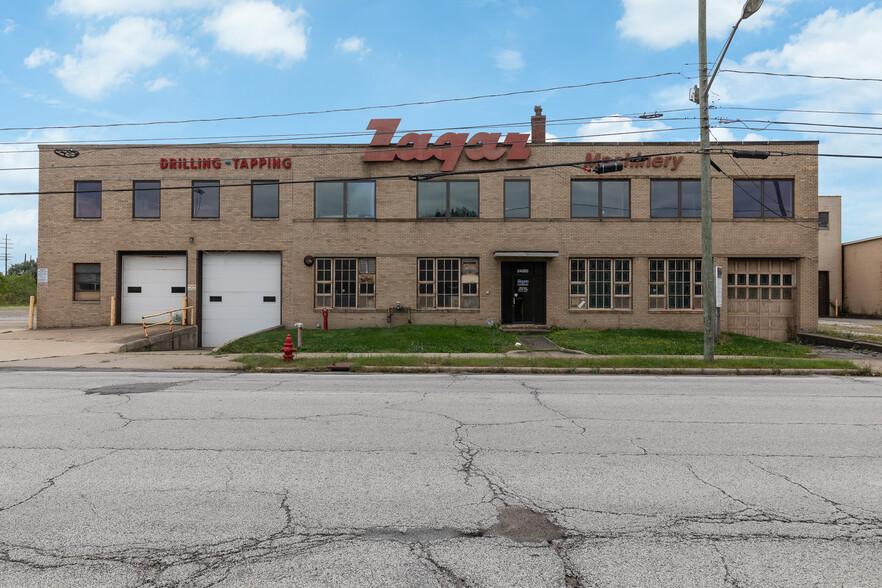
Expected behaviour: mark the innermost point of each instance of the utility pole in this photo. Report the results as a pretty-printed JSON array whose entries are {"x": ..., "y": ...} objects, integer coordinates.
[
  {"x": 6, "y": 247},
  {"x": 707, "y": 258}
]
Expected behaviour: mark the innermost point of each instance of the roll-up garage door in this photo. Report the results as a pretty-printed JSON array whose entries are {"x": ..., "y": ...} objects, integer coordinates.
[
  {"x": 761, "y": 297},
  {"x": 152, "y": 284},
  {"x": 241, "y": 294}
]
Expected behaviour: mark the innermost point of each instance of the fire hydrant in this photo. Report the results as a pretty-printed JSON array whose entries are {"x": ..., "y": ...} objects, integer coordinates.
[
  {"x": 325, "y": 317},
  {"x": 288, "y": 350}
]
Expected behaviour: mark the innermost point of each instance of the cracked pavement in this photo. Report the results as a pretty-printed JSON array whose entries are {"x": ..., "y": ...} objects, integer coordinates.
[{"x": 153, "y": 479}]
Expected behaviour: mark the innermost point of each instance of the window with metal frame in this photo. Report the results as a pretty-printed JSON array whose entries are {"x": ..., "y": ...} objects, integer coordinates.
[
  {"x": 598, "y": 284},
  {"x": 600, "y": 198},
  {"x": 87, "y": 281},
  {"x": 448, "y": 283},
  {"x": 347, "y": 282},
  {"x": 264, "y": 199},
  {"x": 516, "y": 196},
  {"x": 675, "y": 284},
  {"x": 823, "y": 220},
  {"x": 87, "y": 199},
  {"x": 145, "y": 199},
  {"x": 447, "y": 199},
  {"x": 345, "y": 200},
  {"x": 206, "y": 199},
  {"x": 675, "y": 198},
  {"x": 762, "y": 199}
]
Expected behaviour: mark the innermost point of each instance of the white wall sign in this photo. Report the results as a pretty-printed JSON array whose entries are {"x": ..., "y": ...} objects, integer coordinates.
[{"x": 42, "y": 275}]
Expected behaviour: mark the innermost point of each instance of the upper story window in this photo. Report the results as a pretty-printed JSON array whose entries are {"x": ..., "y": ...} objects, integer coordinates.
[
  {"x": 600, "y": 199},
  {"x": 447, "y": 199},
  {"x": 87, "y": 199},
  {"x": 823, "y": 220},
  {"x": 145, "y": 200},
  {"x": 87, "y": 281},
  {"x": 517, "y": 198},
  {"x": 265, "y": 199},
  {"x": 345, "y": 200},
  {"x": 675, "y": 198},
  {"x": 206, "y": 199},
  {"x": 762, "y": 198}
]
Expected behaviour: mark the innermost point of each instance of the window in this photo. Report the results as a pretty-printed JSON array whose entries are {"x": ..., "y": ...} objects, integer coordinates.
[
  {"x": 265, "y": 199},
  {"x": 87, "y": 199},
  {"x": 675, "y": 284},
  {"x": 675, "y": 198},
  {"x": 344, "y": 200},
  {"x": 600, "y": 199},
  {"x": 763, "y": 198},
  {"x": 448, "y": 283},
  {"x": 206, "y": 199},
  {"x": 145, "y": 200},
  {"x": 823, "y": 220},
  {"x": 600, "y": 283},
  {"x": 750, "y": 286},
  {"x": 517, "y": 198},
  {"x": 447, "y": 199},
  {"x": 345, "y": 282},
  {"x": 87, "y": 281}
]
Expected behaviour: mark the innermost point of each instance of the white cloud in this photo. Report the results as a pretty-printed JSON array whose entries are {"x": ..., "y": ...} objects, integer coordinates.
[
  {"x": 260, "y": 29},
  {"x": 508, "y": 59},
  {"x": 106, "y": 61},
  {"x": 618, "y": 128},
  {"x": 663, "y": 24},
  {"x": 103, "y": 8},
  {"x": 40, "y": 56},
  {"x": 9, "y": 25},
  {"x": 353, "y": 45},
  {"x": 158, "y": 84}
]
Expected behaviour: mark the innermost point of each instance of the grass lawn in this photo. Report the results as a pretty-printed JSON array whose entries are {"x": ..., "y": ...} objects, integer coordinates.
[
  {"x": 659, "y": 342},
  {"x": 403, "y": 339}
]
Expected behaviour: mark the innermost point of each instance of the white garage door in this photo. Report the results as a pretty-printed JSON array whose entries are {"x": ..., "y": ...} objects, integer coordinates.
[
  {"x": 151, "y": 284},
  {"x": 241, "y": 294}
]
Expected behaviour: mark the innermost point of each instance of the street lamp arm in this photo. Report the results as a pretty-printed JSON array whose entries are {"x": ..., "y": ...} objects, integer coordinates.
[{"x": 720, "y": 60}]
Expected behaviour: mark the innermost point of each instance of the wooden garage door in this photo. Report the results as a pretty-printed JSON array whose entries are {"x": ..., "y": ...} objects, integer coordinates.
[{"x": 761, "y": 297}]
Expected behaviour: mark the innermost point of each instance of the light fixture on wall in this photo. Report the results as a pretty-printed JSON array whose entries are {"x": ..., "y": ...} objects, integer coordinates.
[{"x": 191, "y": 239}]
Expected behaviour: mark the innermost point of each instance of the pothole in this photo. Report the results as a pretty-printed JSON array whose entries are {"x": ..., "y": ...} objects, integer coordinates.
[
  {"x": 140, "y": 388},
  {"x": 522, "y": 524}
]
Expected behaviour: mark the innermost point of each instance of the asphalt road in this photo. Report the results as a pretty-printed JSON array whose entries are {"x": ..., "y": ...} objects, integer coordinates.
[{"x": 215, "y": 479}]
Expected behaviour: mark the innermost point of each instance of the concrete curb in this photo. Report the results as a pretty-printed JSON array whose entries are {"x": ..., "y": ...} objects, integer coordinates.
[{"x": 817, "y": 339}]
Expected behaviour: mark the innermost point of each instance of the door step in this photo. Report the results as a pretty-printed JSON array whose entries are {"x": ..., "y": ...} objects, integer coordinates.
[{"x": 531, "y": 329}]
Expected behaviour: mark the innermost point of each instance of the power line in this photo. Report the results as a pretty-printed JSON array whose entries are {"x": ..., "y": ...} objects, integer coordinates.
[
  {"x": 350, "y": 109},
  {"x": 806, "y": 76},
  {"x": 359, "y": 151},
  {"x": 583, "y": 164}
]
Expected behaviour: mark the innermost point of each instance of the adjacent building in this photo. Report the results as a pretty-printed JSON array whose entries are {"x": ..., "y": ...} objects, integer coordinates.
[
  {"x": 513, "y": 231},
  {"x": 830, "y": 298},
  {"x": 862, "y": 271}
]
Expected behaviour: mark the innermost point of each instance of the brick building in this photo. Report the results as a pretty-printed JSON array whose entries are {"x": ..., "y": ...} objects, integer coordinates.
[{"x": 260, "y": 235}]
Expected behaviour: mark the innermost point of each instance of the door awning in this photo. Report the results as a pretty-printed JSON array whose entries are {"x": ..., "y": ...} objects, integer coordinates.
[{"x": 525, "y": 254}]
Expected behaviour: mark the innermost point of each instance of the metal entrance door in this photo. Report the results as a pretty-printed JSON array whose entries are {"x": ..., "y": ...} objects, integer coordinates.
[
  {"x": 823, "y": 294},
  {"x": 523, "y": 292}
]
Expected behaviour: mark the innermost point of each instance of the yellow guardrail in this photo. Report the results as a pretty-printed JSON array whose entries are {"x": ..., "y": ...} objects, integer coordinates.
[{"x": 168, "y": 322}]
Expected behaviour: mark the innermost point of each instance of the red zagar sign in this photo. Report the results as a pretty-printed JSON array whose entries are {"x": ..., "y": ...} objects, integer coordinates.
[{"x": 448, "y": 148}]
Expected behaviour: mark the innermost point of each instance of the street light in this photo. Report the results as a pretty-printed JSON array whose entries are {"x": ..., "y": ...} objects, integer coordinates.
[{"x": 707, "y": 258}]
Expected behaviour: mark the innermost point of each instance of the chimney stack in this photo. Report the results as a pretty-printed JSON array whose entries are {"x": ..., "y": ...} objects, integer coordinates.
[{"x": 537, "y": 123}]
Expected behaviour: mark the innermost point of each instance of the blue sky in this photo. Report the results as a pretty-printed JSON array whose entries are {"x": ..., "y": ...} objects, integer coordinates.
[{"x": 74, "y": 62}]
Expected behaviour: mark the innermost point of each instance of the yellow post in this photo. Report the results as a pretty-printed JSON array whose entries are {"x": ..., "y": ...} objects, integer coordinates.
[
  {"x": 31, "y": 314},
  {"x": 113, "y": 311},
  {"x": 836, "y": 307},
  {"x": 184, "y": 313}
]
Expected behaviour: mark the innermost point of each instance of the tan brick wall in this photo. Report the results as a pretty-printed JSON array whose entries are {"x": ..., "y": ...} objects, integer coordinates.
[
  {"x": 396, "y": 238},
  {"x": 830, "y": 245}
]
